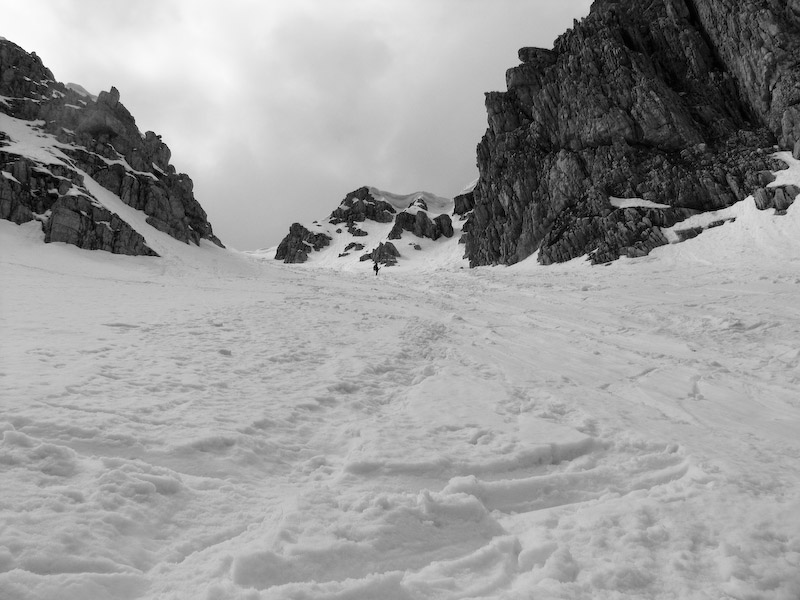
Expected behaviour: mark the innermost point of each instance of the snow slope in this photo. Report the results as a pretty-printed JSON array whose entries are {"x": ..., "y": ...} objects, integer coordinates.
[{"x": 212, "y": 425}]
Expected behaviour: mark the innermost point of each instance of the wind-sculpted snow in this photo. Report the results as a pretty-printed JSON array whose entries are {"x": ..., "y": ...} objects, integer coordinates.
[{"x": 214, "y": 425}]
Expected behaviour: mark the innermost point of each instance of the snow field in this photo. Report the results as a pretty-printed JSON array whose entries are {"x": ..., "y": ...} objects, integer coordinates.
[{"x": 211, "y": 425}]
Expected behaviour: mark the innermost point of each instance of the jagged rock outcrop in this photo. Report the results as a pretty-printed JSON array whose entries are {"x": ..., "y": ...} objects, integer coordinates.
[
  {"x": 80, "y": 221},
  {"x": 385, "y": 253},
  {"x": 55, "y": 195},
  {"x": 421, "y": 225},
  {"x": 357, "y": 207},
  {"x": 778, "y": 198},
  {"x": 675, "y": 102},
  {"x": 464, "y": 203},
  {"x": 101, "y": 140},
  {"x": 294, "y": 248},
  {"x": 351, "y": 246},
  {"x": 366, "y": 207}
]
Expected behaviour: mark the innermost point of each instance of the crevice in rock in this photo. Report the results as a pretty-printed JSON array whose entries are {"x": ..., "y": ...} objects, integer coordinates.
[{"x": 697, "y": 23}]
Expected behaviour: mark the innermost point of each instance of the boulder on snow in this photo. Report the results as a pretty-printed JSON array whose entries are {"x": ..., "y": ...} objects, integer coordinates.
[
  {"x": 421, "y": 225},
  {"x": 359, "y": 205},
  {"x": 385, "y": 253},
  {"x": 464, "y": 203},
  {"x": 779, "y": 198},
  {"x": 294, "y": 248}
]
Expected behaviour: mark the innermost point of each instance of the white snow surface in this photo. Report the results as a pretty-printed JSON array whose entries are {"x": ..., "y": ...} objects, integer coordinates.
[
  {"x": 213, "y": 425},
  {"x": 436, "y": 204},
  {"x": 635, "y": 203}
]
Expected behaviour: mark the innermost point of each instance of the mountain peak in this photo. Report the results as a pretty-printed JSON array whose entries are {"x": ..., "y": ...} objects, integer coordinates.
[
  {"x": 374, "y": 225},
  {"x": 62, "y": 149}
]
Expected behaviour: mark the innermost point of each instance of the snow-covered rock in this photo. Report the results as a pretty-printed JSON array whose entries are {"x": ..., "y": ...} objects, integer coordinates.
[
  {"x": 56, "y": 139},
  {"x": 370, "y": 224}
]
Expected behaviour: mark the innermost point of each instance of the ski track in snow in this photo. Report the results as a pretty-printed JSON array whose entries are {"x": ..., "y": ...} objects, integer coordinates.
[{"x": 236, "y": 428}]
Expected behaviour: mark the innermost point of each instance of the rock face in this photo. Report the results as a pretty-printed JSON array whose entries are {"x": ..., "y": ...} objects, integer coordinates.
[
  {"x": 101, "y": 140},
  {"x": 294, "y": 248},
  {"x": 674, "y": 102},
  {"x": 385, "y": 253},
  {"x": 359, "y": 206},
  {"x": 421, "y": 225},
  {"x": 361, "y": 210}
]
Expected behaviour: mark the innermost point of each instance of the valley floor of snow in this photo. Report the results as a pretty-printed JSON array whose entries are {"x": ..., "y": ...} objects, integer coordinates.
[{"x": 214, "y": 425}]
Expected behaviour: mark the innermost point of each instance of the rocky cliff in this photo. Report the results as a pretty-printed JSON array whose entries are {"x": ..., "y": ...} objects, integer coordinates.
[
  {"x": 641, "y": 115},
  {"x": 55, "y": 138}
]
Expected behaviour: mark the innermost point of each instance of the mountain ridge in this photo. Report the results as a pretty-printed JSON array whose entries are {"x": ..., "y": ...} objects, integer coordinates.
[{"x": 55, "y": 138}]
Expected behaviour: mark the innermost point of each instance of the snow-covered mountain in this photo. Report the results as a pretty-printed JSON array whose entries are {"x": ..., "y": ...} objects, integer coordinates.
[
  {"x": 373, "y": 226},
  {"x": 80, "y": 167}
]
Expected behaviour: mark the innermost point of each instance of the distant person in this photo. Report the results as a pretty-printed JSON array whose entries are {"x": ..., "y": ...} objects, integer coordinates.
[{"x": 376, "y": 268}]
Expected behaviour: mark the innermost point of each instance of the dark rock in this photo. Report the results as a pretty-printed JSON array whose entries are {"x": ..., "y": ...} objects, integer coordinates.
[
  {"x": 356, "y": 231},
  {"x": 757, "y": 43},
  {"x": 294, "y": 248},
  {"x": 360, "y": 205},
  {"x": 668, "y": 101},
  {"x": 539, "y": 57},
  {"x": 23, "y": 75},
  {"x": 463, "y": 203},
  {"x": 351, "y": 246},
  {"x": 421, "y": 225},
  {"x": 354, "y": 246},
  {"x": 778, "y": 198},
  {"x": 444, "y": 225},
  {"x": 79, "y": 221},
  {"x": 385, "y": 253}
]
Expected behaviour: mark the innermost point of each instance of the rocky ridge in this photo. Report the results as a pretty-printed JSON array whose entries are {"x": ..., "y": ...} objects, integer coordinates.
[
  {"x": 675, "y": 105},
  {"x": 370, "y": 217},
  {"x": 85, "y": 138}
]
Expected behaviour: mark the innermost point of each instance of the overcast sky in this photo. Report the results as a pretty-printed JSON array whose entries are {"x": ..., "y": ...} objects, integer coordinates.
[{"x": 277, "y": 108}]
